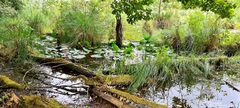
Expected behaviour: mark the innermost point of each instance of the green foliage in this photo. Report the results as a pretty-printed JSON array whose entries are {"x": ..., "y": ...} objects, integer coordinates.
[
  {"x": 10, "y": 7},
  {"x": 231, "y": 39},
  {"x": 36, "y": 18},
  {"x": 128, "y": 50},
  {"x": 203, "y": 29},
  {"x": 147, "y": 38},
  {"x": 115, "y": 47},
  {"x": 79, "y": 26},
  {"x": 196, "y": 32},
  {"x": 16, "y": 35},
  {"x": 141, "y": 73},
  {"x": 6, "y": 10},
  {"x": 221, "y": 7},
  {"x": 16, "y": 4},
  {"x": 135, "y": 9},
  {"x": 167, "y": 69}
]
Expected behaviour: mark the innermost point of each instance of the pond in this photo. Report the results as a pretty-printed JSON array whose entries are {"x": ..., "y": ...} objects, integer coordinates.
[{"x": 218, "y": 92}]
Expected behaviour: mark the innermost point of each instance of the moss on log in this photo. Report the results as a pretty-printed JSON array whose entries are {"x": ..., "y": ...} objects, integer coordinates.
[
  {"x": 8, "y": 83},
  {"x": 99, "y": 82},
  {"x": 136, "y": 99},
  {"x": 118, "y": 80},
  {"x": 65, "y": 65},
  {"x": 40, "y": 102},
  {"x": 111, "y": 99}
]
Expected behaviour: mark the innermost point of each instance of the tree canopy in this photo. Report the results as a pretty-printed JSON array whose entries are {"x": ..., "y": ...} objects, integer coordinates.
[
  {"x": 221, "y": 7},
  {"x": 135, "y": 9}
]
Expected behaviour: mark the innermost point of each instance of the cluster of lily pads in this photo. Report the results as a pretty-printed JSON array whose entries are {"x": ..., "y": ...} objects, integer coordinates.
[{"x": 131, "y": 49}]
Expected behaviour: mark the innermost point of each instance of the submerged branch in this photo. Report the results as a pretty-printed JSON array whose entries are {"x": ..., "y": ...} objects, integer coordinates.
[{"x": 232, "y": 86}]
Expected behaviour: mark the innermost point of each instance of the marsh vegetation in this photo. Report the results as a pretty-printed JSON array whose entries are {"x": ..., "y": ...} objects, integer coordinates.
[{"x": 119, "y": 53}]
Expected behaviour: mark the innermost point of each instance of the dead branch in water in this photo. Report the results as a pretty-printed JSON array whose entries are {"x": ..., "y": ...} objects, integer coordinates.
[
  {"x": 233, "y": 87},
  {"x": 97, "y": 82},
  {"x": 66, "y": 65},
  {"x": 111, "y": 99}
]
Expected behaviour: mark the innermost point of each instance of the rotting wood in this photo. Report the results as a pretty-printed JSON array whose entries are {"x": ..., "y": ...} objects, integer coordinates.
[
  {"x": 111, "y": 99},
  {"x": 6, "y": 82},
  {"x": 66, "y": 65},
  {"x": 136, "y": 99}
]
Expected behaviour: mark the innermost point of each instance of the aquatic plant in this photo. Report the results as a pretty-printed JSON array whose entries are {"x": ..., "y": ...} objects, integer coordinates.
[
  {"x": 166, "y": 70},
  {"x": 141, "y": 73}
]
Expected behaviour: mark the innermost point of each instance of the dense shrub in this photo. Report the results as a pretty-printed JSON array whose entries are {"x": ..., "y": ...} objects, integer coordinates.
[
  {"x": 9, "y": 7},
  {"x": 15, "y": 36},
  {"x": 196, "y": 32},
  {"x": 42, "y": 18},
  {"x": 86, "y": 24},
  {"x": 231, "y": 43},
  {"x": 78, "y": 27}
]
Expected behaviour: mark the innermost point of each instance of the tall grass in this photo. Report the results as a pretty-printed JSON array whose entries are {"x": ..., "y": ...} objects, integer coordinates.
[
  {"x": 6, "y": 10},
  {"x": 205, "y": 29},
  {"x": 141, "y": 73},
  {"x": 41, "y": 18},
  {"x": 83, "y": 23},
  {"x": 79, "y": 27},
  {"x": 16, "y": 35},
  {"x": 196, "y": 32},
  {"x": 168, "y": 69}
]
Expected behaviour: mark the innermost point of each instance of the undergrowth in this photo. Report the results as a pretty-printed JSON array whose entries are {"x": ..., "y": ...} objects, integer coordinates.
[{"x": 167, "y": 69}]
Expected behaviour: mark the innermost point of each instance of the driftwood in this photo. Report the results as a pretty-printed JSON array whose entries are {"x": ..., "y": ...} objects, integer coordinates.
[
  {"x": 65, "y": 65},
  {"x": 111, "y": 99},
  {"x": 100, "y": 83},
  {"x": 133, "y": 98}
]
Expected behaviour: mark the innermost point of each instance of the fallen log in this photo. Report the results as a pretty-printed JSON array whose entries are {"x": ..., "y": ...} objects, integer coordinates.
[
  {"x": 134, "y": 98},
  {"x": 97, "y": 82},
  {"x": 111, "y": 99},
  {"x": 65, "y": 65},
  {"x": 110, "y": 80},
  {"x": 6, "y": 83},
  {"x": 80, "y": 71}
]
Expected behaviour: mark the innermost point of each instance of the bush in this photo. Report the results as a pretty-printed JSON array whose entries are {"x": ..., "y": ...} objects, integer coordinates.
[
  {"x": 78, "y": 27},
  {"x": 204, "y": 29},
  {"x": 36, "y": 19},
  {"x": 42, "y": 19},
  {"x": 231, "y": 43},
  {"x": 9, "y": 7},
  {"x": 196, "y": 32},
  {"x": 16, "y": 35},
  {"x": 6, "y": 10}
]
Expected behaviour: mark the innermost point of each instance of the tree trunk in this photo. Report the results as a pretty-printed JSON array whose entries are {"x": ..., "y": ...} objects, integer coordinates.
[
  {"x": 119, "y": 35},
  {"x": 159, "y": 7}
]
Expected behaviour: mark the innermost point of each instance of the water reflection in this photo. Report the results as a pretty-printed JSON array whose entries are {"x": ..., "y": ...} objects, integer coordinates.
[{"x": 204, "y": 94}]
